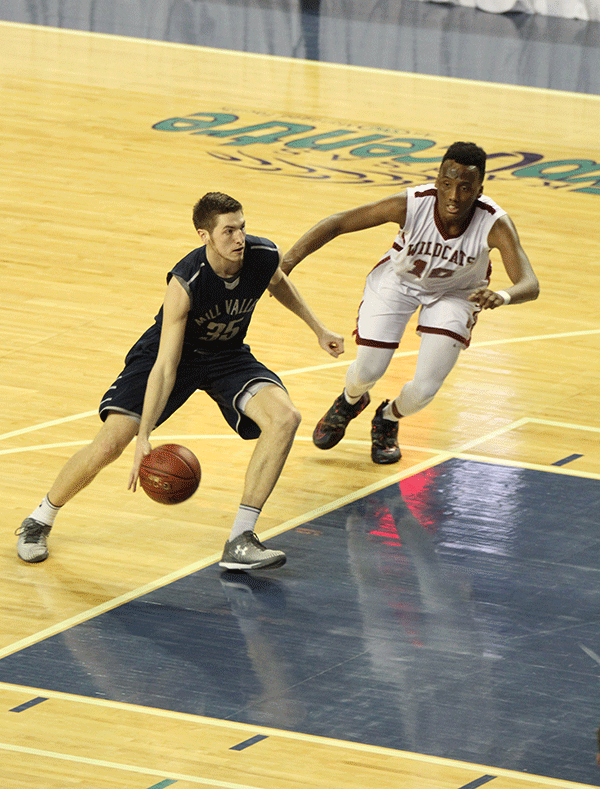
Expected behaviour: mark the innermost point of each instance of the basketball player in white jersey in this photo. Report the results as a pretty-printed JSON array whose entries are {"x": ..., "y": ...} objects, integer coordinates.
[{"x": 438, "y": 264}]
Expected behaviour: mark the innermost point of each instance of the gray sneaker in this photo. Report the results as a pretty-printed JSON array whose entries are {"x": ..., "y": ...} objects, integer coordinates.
[
  {"x": 246, "y": 552},
  {"x": 32, "y": 543}
]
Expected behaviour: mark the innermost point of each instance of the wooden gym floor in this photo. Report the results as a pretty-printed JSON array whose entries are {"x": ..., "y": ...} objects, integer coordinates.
[{"x": 437, "y": 622}]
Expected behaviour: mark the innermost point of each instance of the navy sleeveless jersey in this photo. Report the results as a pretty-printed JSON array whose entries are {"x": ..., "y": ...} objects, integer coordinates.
[{"x": 221, "y": 309}]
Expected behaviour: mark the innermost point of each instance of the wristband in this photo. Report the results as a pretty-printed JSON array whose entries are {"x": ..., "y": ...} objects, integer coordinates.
[{"x": 504, "y": 296}]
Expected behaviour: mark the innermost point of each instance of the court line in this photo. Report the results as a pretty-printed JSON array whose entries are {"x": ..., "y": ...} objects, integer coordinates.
[
  {"x": 332, "y": 365},
  {"x": 536, "y": 337},
  {"x": 108, "y": 605},
  {"x": 199, "y": 565},
  {"x": 128, "y": 768},
  {"x": 28, "y": 704},
  {"x": 474, "y": 345},
  {"x": 59, "y": 444},
  {"x": 319, "y": 64},
  {"x": 494, "y": 434},
  {"x": 459, "y": 451},
  {"x": 271, "y": 734},
  {"x": 241, "y": 746},
  {"x": 564, "y": 425},
  {"x": 551, "y": 469},
  {"x": 474, "y": 784},
  {"x": 436, "y": 458},
  {"x": 568, "y": 459},
  {"x": 42, "y": 425}
]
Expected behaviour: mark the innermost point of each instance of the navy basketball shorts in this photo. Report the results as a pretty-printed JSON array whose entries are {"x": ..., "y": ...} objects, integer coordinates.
[{"x": 225, "y": 376}]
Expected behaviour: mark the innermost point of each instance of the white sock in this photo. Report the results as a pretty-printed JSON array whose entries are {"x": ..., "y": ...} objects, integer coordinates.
[
  {"x": 388, "y": 413},
  {"x": 245, "y": 520},
  {"x": 45, "y": 512},
  {"x": 351, "y": 400}
]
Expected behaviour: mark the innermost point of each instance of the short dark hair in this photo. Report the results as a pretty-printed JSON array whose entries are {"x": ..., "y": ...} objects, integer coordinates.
[
  {"x": 469, "y": 154},
  {"x": 209, "y": 207}
]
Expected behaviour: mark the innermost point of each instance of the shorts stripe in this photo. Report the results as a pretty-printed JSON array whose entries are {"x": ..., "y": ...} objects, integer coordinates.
[
  {"x": 373, "y": 343},
  {"x": 445, "y": 332}
]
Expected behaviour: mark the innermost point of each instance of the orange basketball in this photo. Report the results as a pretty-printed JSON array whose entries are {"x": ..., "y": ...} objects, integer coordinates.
[{"x": 170, "y": 474}]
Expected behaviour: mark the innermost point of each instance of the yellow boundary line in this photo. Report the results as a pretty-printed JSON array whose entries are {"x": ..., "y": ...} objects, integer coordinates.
[
  {"x": 245, "y": 729},
  {"x": 436, "y": 458}
]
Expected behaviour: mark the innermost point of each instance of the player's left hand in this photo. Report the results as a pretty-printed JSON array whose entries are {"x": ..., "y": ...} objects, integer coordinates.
[
  {"x": 332, "y": 343},
  {"x": 487, "y": 299}
]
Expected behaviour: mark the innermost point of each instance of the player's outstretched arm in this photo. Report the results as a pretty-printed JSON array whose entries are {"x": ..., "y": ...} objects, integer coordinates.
[
  {"x": 525, "y": 286},
  {"x": 287, "y": 294},
  {"x": 390, "y": 209},
  {"x": 164, "y": 371}
]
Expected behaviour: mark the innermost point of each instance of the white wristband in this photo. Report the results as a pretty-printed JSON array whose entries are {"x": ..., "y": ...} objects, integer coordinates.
[{"x": 504, "y": 296}]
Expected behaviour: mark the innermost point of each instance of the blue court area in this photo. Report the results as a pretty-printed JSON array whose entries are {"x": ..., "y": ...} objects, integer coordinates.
[{"x": 456, "y": 614}]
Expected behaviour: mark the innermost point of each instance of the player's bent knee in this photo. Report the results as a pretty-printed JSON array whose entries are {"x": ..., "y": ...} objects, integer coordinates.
[
  {"x": 359, "y": 385},
  {"x": 284, "y": 421},
  {"x": 289, "y": 420},
  {"x": 425, "y": 392},
  {"x": 108, "y": 450},
  {"x": 113, "y": 438}
]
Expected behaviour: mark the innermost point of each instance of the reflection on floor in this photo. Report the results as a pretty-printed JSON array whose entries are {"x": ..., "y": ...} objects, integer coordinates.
[
  {"x": 456, "y": 614},
  {"x": 403, "y": 35}
]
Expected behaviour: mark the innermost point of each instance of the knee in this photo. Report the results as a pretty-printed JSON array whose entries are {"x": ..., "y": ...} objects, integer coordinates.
[
  {"x": 361, "y": 377},
  {"x": 284, "y": 420},
  {"x": 108, "y": 449},
  {"x": 291, "y": 420},
  {"x": 425, "y": 391},
  {"x": 109, "y": 444}
]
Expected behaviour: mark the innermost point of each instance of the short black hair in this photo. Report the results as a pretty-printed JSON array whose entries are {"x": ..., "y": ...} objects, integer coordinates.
[
  {"x": 469, "y": 154},
  {"x": 209, "y": 207}
]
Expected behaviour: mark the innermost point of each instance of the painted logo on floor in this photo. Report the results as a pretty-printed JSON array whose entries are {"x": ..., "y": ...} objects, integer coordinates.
[{"x": 360, "y": 153}]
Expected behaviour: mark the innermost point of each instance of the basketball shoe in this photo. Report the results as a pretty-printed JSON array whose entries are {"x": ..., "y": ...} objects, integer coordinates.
[
  {"x": 331, "y": 428},
  {"x": 32, "y": 543},
  {"x": 247, "y": 552},
  {"x": 384, "y": 438}
]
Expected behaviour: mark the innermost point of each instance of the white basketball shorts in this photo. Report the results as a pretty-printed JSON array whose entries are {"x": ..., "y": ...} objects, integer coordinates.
[{"x": 388, "y": 304}]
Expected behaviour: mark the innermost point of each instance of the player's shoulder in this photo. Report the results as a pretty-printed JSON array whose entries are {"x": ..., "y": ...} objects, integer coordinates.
[
  {"x": 195, "y": 257},
  {"x": 261, "y": 251},
  {"x": 190, "y": 264},
  {"x": 257, "y": 243},
  {"x": 489, "y": 206},
  {"x": 420, "y": 202},
  {"x": 422, "y": 192}
]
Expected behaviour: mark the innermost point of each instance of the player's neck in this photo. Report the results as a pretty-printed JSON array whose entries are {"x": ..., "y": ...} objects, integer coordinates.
[
  {"x": 221, "y": 266},
  {"x": 454, "y": 229},
  {"x": 453, "y": 226}
]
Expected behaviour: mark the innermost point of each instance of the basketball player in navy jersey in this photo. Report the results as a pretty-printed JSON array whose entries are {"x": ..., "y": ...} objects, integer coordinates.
[
  {"x": 438, "y": 264},
  {"x": 197, "y": 342}
]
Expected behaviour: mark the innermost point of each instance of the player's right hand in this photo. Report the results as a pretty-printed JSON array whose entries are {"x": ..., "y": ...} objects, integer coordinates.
[{"x": 142, "y": 448}]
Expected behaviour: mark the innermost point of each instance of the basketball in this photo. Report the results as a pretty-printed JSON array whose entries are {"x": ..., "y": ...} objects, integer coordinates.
[{"x": 170, "y": 474}]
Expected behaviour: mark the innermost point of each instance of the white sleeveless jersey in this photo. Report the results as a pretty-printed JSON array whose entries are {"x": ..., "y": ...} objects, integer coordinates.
[{"x": 431, "y": 263}]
